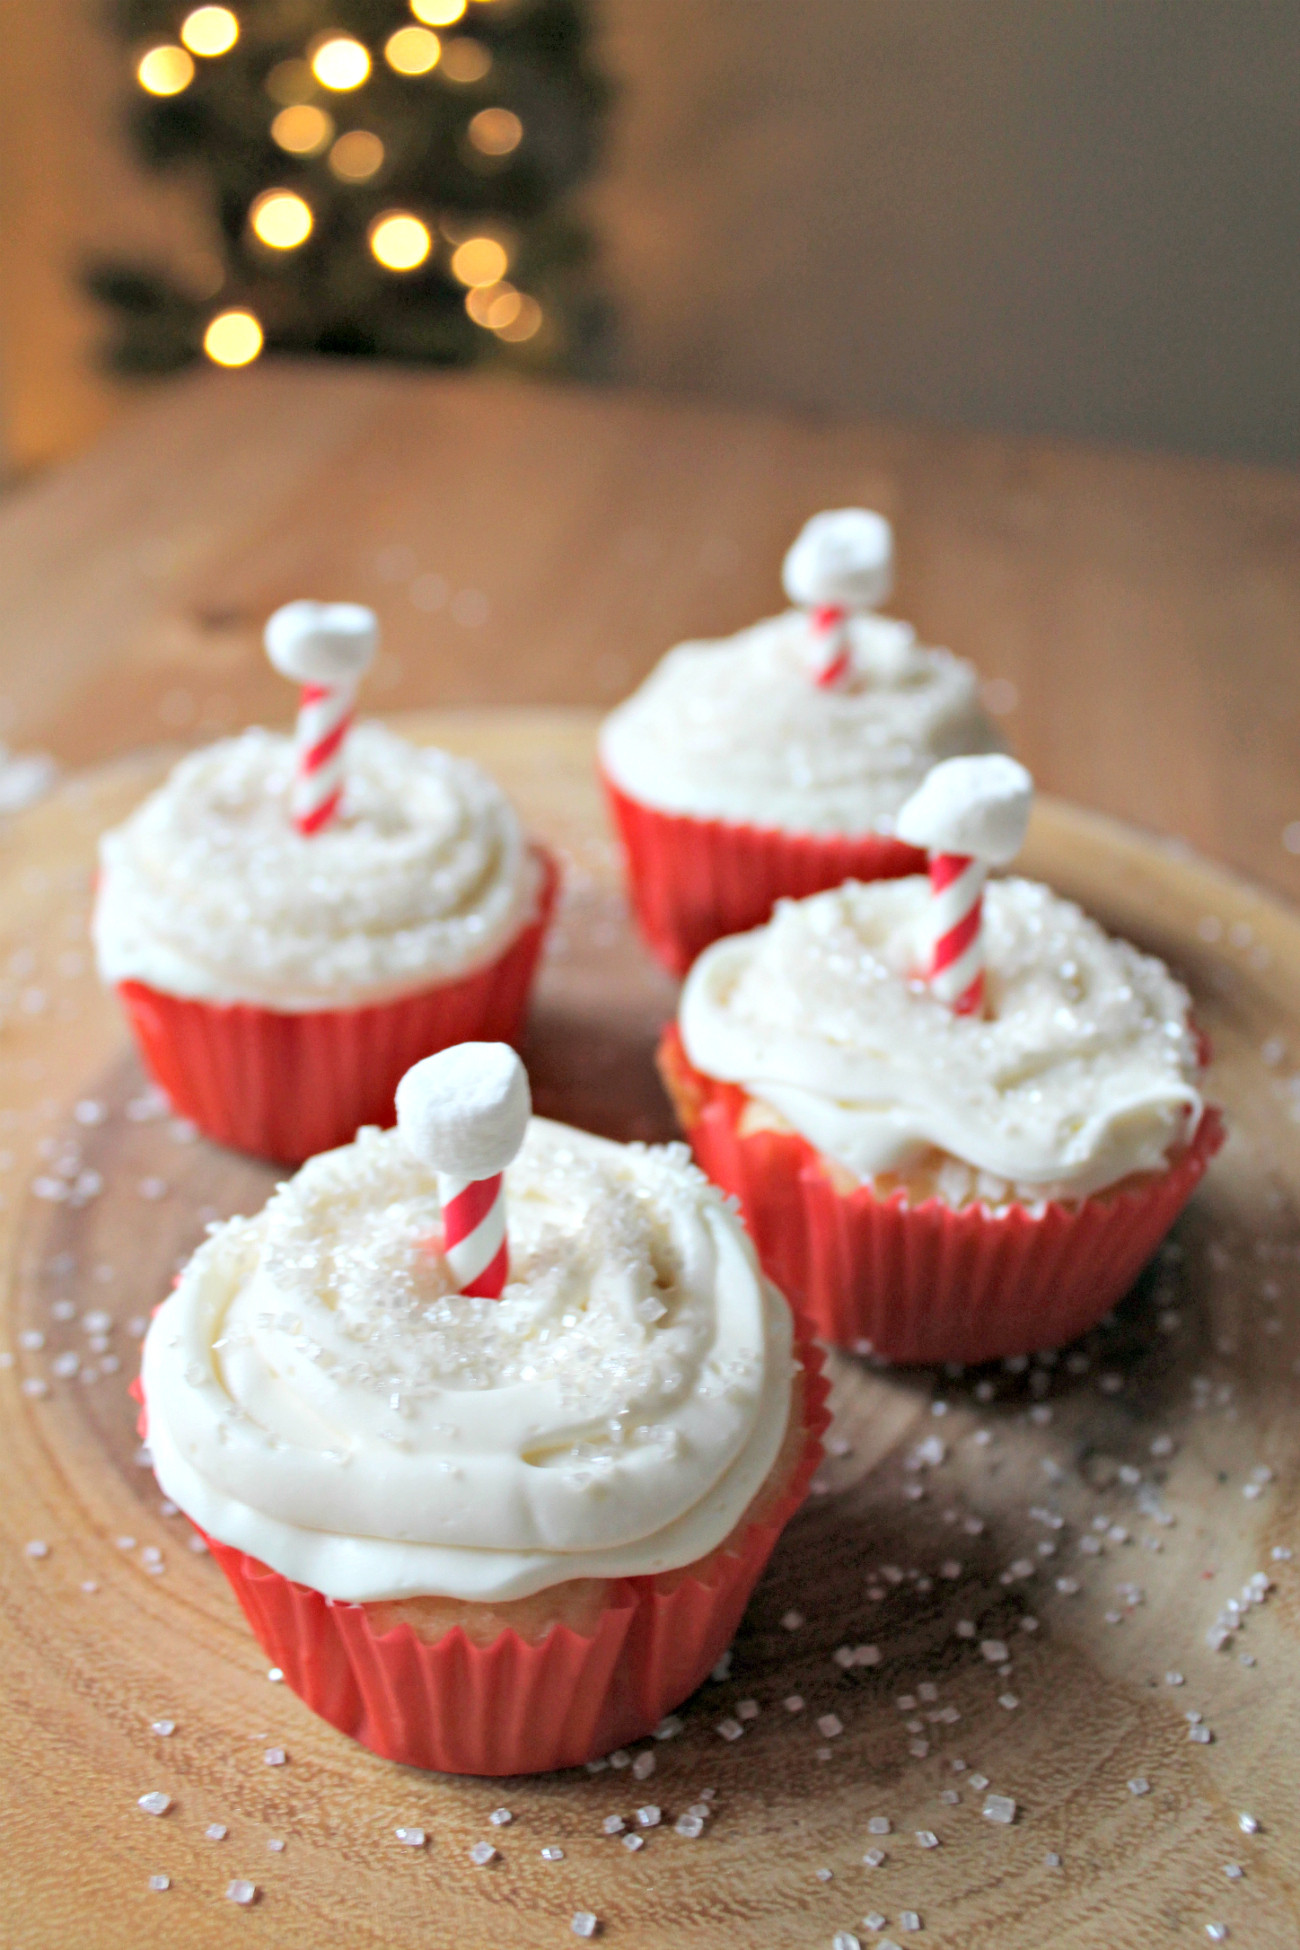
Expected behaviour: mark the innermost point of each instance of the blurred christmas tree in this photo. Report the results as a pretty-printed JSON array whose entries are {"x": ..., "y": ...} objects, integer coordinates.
[{"x": 381, "y": 180}]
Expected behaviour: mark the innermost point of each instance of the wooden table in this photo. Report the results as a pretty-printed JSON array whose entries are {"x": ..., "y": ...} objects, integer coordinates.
[
  {"x": 545, "y": 546},
  {"x": 1091, "y": 1514}
]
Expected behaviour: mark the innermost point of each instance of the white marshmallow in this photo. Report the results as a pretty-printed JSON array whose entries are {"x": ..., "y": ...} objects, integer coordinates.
[
  {"x": 465, "y": 1110},
  {"x": 322, "y": 643},
  {"x": 843, "y": 556},
  {"x": 975, "y": 806}
]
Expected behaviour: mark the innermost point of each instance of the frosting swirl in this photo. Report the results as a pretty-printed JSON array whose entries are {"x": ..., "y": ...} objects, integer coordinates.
[
  {"x": 208, "y": 891},
  {"x": 1083, "y": 1070},
  {"x": 319, "y": 1397},
  {"x": 737, "y": 729}
]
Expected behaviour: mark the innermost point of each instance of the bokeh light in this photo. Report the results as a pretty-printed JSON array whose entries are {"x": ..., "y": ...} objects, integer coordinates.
[
  {"x": 400, "y": 241},
  {"x": 479, "y": 260},
  {"x": 290, "y": 82},
  {"x": 438, "y": 13},
  {"x": 165, "y": 70},
  {"x": 465, "y": 60},
  {"x": 210, "y": 31},
  {"x": 281, "y": 219},
  {"x": 525, "y": 323},
  {"x": 357, "y": 156},
  {"x": 412, "y": 50},
  {"x": 340, "y": 63},
  {"x": 234, "y": 338},
  {"x": 495, "y": 131},
  {"x": 494, "y": 305},
  {"x": 302, "y": 130}
]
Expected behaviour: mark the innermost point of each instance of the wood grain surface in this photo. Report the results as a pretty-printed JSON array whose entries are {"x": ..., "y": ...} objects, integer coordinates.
[
  {"x": 1092, "y": 1514},
  {"x": 546, "y": 545}
]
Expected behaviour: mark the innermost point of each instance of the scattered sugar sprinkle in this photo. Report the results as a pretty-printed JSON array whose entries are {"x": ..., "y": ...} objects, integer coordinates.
[
  {"x": 163, "y": 1727},
  {"x": 649, "y": 1817},
  {"x": 552, "y": 1854},
  {"x": 873, "y": 1858},
  {"x": 159, "y": 1883},
  {"x": 926, "y": 1838},
  {"x": 1139, "y": 1785},
  {"x": 241, "y": 1892},
  {"x": 36, "y": 1548},
  {"x": 481, "y": 1854},
  {"x": 412, "y": 1837},
  {"x": 500, "y": 1817},
  {"x": 1248, "y": 1824},
  {"x": 275, "y": 1757},
  {"x": 275, "y": 1847},
  {"x": 613, "y": 1825},
  {"x": 585, "y": 1923},
  {"x": 691, "y": 1826},
  {"x": 634, "y": 1842},
  {"x": 216, "y": 1831},
  {"x": 1000, "y": 1808},
  {"x": 155, "y": 1802}
]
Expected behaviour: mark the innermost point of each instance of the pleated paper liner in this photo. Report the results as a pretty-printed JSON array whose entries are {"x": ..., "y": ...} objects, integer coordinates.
[
  {"x": 285, "y": 1085},
  {"x": 516, "y": 1706},
  {"x": 691, "y": 881},
  {"x": 927, "y": 1283}
]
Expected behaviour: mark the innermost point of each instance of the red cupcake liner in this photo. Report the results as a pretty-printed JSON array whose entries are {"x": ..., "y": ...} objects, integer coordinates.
[
  {"x": 691, "y": 881},
  {"x": 286, "y": 1085},
  {"x": 926, "y": 1282},
  {"x": 515, "y": 1707}
]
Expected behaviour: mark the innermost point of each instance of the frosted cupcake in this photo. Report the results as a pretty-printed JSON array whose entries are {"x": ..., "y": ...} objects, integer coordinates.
[
  {"x": 493, "y": 1499},
  {"x": 959, "y": 1122},
  {"x": 291, "y": 923},
  {"x": 773, "y": 763}
]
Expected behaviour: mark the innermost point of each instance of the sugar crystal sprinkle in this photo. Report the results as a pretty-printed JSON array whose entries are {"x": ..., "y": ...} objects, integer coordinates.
[
  {"x": 1139, "y": 1785},
  {"x": 155, "y": 1802},
  {"x": 879, "y": 1825},
  {"x": 275, "y": 1757},
  {"x": 1247, "y": 1824},
  {"x": 159, "y": 1883},
  {"x": 908, "y": 1920},
  {"x": 1000, "y": 1808},
  {"x": 552, "y": 1854},
  {"x": 500, "y": 1817},
  {"x": 927, "y": 1838},
  {"x": 481, "y": 1854},
  {"x": 163, "y": 1727},
  {"x": 413, "y": 1837},
  {"x": 649, "y": 1817},
  {"x": 216, "y": 1831},
  {"x": 691, "y": 1826},
  {"x": 845, "y": 1940},
  {"x": 873, "y": 1858},
  {"x": 240, "y": 1891},
  {"x": 584, "y": 1923}
]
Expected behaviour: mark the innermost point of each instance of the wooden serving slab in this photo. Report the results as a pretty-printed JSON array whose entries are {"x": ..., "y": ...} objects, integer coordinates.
[{"x": 1035, "y": 1554}]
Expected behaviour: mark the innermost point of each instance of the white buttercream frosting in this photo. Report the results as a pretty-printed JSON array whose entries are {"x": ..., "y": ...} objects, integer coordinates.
[
  {"x": 1083, "y": 1071},
  {"x": 738, "y": 730},
  {"x": 209, "y": 891},
  {"x": 318, "y": 1397}
]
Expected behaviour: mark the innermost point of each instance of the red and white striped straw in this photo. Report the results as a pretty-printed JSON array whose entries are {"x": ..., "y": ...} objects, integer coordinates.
[
  {"x": 474, "y": 1232},
  {"x": 840, "y": 563},
  {"x": 325, "y": 716},
  {"x": 465, "y": 1112},
  {"x": 956, "y": 968},
  {"x": 969, "y": 814},
  {"x": 327, "y": 648},
  {"x": 832, "y": 660}
]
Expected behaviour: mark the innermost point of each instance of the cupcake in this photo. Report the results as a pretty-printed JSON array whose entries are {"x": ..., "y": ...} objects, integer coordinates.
[
  {"x": 959, "y": 1118},
  {"x": 291, "y": 923},
  {"x": 491, "y": 1448},
  {"x": 773, "y": 763}
]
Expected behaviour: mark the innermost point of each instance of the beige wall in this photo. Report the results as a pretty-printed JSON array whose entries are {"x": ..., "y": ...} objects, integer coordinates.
[
  {"x": 1076, "y": 216},
  {"x": 1072, "y": 216}
]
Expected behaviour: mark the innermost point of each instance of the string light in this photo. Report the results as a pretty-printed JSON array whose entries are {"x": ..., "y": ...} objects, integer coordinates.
[
  {"x": 465, "y": 60},
  {"x": 210, "y": 31},
  {"x": 526, "y": 321},
  {"x": 340, "y": 63},
  {"x": 479, "y": 260},
  {"x": 438, "y": 13},
  {"x": 281, "y": 219},
  {"x": 356, "y": 156},
  {"x": 302, "y": 130},
  {"x": 165, "y": 70},
  {"x": 495, "y": 131},
  {"x": 234, "y": 338},
  {"x": 412, "y": 50},
  {"x": 399, "y": 241}
]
